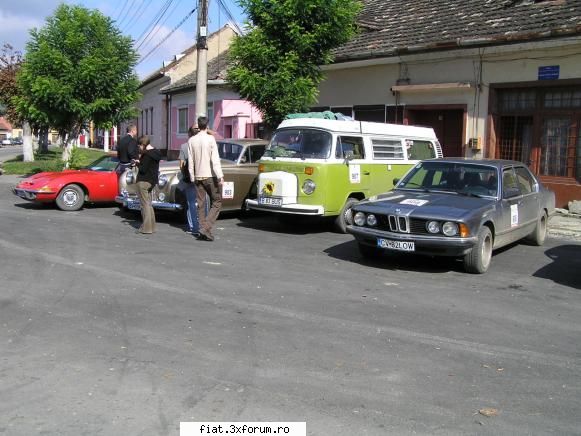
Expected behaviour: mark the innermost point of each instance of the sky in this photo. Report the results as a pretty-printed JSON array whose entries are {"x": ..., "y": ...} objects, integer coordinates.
[{"x": 135, "y": 18}]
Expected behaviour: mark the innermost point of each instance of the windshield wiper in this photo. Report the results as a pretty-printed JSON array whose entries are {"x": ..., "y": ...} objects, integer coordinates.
[{"x": 469, "y": 194}]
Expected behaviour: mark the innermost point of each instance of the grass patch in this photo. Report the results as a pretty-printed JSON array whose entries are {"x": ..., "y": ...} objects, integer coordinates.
[{"x": 50, "y": 161}]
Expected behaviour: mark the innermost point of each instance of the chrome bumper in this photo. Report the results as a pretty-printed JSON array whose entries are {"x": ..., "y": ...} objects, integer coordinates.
[
  {"x": 133, "y": 203},
  {"x": 297, "y": 209}
]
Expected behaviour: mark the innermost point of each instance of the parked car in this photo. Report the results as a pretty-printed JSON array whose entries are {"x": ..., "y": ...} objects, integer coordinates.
[
  {"x": 239, "y": 163},
  {"x": 7, "y": 141},
  {"x": 71, "y": 189},
  {"x": 455, "y": 207}
]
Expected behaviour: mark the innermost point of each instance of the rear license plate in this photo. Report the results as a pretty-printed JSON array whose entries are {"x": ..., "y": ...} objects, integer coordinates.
[
  {"x": 396, "y": 245},
  {"x": 133, "y": 206},
  {"x": 270, "y": 201}
]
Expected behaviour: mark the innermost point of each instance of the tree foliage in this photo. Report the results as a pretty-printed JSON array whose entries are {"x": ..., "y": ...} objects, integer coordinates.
[
  {"x": 77, "y": 68},
  {"x": 276, "y": 65},
  {"x": 10, "y": 62}
]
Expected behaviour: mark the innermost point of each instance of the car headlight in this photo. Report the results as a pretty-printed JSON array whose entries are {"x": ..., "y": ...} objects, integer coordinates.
[
  {"x": 162, "y": 181},
  {"x": 129, "y": 177},
  {"x": 309, "y": 186},
  {"x": 450, "y": 229},
  {"x": 359, "y": 219},
  {"x": 433, "y": 227},
  {"x": 161, "y": 196},
  {"x": 371, "y": 220}
]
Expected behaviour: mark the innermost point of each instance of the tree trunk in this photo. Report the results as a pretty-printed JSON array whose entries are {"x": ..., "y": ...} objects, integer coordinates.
[
  {"x": 69, "y": 145},
  {"x": 27, "y": 150},
  {"x": 43, "y": 140}
]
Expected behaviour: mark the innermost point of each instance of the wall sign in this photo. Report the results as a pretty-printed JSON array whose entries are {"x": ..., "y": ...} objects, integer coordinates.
[{"x": 550, "y": 72}]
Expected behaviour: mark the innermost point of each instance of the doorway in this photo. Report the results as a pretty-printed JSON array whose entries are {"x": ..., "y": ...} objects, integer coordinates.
[{"x": 448, "y": 125}]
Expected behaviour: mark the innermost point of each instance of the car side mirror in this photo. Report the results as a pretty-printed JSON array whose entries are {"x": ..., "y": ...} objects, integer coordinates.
[
  {"x": 348, "y": 155},
  {"x": 396, "y": 180},
  {"x": 510, "y": 192}
]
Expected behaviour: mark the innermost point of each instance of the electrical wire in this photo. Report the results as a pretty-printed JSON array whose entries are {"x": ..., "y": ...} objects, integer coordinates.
[
  {"x": 136, "y": 17},
  {"x": 125, "y": 2},
  {"x": 159, "y": 25},
  {"x": 151, "y": 26},
  {"x": 230, "y": 16},
  {"x": 129, "y": 9},
  {"x": 167, "y": 36}
]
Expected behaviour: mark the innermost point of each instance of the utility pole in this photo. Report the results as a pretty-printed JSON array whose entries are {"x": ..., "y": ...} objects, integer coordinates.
[{"x": 202, "y": 67}]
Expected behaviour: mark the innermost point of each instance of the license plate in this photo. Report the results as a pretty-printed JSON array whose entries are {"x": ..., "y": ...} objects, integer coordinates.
[
  {"x": 20, "y": 193},
  {"x": 396, "y": 245},
  {"x": 270, "y": 201},
  {"x": 133, "y": 206}
]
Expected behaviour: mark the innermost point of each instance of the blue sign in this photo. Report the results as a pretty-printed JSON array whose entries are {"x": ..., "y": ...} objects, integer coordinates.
[{"x": 549, "y": 73}]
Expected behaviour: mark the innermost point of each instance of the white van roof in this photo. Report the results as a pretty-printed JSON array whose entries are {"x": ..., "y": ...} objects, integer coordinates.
[{"x": 365, "y": 127}]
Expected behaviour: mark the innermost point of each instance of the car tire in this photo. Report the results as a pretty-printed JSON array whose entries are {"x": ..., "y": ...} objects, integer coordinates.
[
  {"x": 345, "y": 218},
  {"x": 71, "y": 198},
  {"x": 478, "y": 260},
  {"x": 538, "y": 236},
  {"x": 368, "y": 252}
]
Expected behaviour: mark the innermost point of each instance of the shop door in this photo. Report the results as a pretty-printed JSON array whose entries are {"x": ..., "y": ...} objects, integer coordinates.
[{"x": 448, "y": 125}]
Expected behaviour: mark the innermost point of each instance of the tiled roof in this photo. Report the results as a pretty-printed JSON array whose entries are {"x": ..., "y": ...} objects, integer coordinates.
[
  {"x": 4, "y": 124},
  {"x": 216, "y": 71},
  {"x": 392, "y": 27}
]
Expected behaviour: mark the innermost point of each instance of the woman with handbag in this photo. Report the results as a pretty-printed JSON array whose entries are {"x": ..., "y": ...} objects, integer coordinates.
[{"x": 147, "y": 177}]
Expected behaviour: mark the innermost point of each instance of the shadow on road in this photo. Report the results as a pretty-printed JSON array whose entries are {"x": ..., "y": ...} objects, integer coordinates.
[
  {"x": 286, "y": 224},
  {"x": 348, "y": 251},
  {"x": 565, "y": 268}
]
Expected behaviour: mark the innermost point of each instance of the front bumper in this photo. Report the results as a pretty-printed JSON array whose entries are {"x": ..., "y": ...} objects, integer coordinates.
[
  {"x": 132, "y": 203},
  {"x": 424, "y": 244},
  {"x": 33, "y": 195},
  {"x": 297, "y": 209}
]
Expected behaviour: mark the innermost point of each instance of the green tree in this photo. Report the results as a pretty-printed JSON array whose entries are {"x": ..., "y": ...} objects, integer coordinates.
[
  {"x": 77, "y": 68},
  {"x": 276, "y": 64}
]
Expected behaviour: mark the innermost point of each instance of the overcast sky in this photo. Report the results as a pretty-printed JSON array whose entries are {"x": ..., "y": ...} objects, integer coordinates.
[{"x": 135, "y": 18}]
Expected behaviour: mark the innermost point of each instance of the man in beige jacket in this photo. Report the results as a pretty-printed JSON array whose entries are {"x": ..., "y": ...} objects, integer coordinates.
[{"x": 206, "y": 172}]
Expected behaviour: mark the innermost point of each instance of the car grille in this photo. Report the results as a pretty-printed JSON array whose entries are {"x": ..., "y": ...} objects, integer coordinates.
[{"x": 401, "y": 224}]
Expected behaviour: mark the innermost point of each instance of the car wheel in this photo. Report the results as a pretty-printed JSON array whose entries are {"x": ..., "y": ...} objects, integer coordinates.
[
  {"x": 538, "y": 236},
  {"x": 345, "y": 218},
  {"x": 368, "y": 252},
  {"x": 478, "y": 260},
  {"x": 70, "y": 198}
]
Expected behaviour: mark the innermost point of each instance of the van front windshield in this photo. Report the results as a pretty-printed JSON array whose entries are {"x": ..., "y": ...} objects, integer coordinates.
[{"x": 300, "y": 143}]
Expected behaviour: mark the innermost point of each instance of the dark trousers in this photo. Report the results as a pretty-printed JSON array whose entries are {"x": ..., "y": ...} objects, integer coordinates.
[
  {"x": 212, "y": 189},
  {"x": 147, "y": 212}
]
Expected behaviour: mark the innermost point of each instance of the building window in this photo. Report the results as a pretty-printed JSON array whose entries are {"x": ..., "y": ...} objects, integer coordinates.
[
  {"x": 147, "y": 121},
  {"x": 151, "y": 121},
  {"x": 210, "y": 115},
  {"x": 516, "y": 137},
  {"x": 557, "y": 158},
  {"x": 394, "y": 114},
  {"x": 375, "y": 113},
  {"x": 564, "y": 98},
  {"x": 183, "y": 121},
  {"x": 517, "y": 100}
]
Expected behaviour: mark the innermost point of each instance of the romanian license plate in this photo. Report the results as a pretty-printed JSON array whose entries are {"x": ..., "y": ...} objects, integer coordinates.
[
  {"x": 270, "y": 201},
  {"x": 396, "y": 245},
  {"x": 133, "y": 205},
  {"x": 20, "y": 193}
]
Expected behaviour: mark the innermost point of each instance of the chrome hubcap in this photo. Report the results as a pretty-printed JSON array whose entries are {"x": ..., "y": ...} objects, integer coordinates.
[{"x": 70, "y": 198}]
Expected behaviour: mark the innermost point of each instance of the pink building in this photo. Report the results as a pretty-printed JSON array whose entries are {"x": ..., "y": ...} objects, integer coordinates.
[{"x": 229, "y": 116}]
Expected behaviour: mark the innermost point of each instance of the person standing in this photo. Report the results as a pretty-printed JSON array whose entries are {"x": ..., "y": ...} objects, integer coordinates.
[
  {"x": 147, "y": 178},
  {"x": 189, "y": 187},
  {"x": 206, "y": 171},
  {"x": 128, "y": 154}
]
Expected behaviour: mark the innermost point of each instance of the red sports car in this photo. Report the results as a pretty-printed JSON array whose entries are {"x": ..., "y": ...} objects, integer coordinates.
[{"x": 70, "y": 189}]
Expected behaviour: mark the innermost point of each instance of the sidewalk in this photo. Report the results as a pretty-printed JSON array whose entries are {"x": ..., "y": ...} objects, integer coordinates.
[{"x": 565, "y": 226}]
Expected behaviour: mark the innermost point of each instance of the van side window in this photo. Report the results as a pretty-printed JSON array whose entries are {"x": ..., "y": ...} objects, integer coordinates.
[
  {"x": 353, "y": 144},
  {"x": 387, "y": 149},
  {"x": 420, "y": 150}
]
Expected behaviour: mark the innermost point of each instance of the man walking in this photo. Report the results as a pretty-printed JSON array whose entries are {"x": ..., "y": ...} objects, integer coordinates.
[
  {"x": 206, "y": 172},
  {"x": 188, "y": 185}
]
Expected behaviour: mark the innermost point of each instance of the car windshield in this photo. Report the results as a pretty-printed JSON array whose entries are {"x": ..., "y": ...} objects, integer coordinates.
[
  {"x": 300, "y": 143},
  {"x": 229, "y": 151},
  {"x": 105, "y": 163},
  {"x": 454, "y": 177}
]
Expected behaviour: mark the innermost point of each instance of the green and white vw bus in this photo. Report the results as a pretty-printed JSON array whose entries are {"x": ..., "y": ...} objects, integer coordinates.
[{"x": 320, "y": 167}]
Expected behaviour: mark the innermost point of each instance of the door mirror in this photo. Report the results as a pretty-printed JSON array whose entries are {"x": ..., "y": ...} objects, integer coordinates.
[
  {"x": 510, "y": 192},
  {"x": 396, "y": 180},
  {"x": 348, "y": 155}
]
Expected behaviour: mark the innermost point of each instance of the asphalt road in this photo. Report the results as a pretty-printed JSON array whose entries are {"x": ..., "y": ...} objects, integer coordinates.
[{"x": 106, "y": 332}]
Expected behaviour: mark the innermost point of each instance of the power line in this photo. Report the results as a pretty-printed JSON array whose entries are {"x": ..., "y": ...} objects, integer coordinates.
[
  {"x": 158, "y": 25},
  {"x": 129, "y": 9},
  {"x": 149, "y": 28},
  {"x": 229, "y": 14},
  {"x": 167, "y": 36},
  {"x": 122, "y": 9},
  {"x": 135, "y": 18}
]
